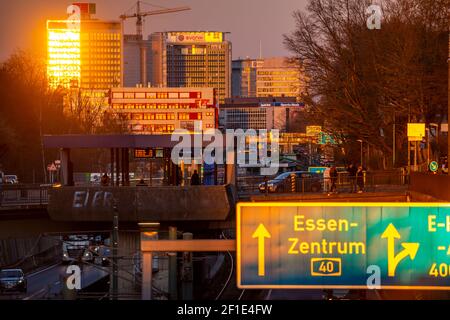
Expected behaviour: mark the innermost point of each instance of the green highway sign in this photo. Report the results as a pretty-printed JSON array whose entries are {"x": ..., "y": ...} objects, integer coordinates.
[
  {"x": 335, "y": 245},
  {"x": 433, "y": 166}
]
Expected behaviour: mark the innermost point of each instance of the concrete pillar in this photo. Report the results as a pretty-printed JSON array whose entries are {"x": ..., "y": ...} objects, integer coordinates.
[
  {"x": 117, "y": 166},
  {"x": 146, "y": 276},
  {"x": 187, "y": 272},
  {"x": 111, "y": 182},
  {"x": 183, "y": 176},
  {"x": 230, "y": 168},
  {"x": 173, "y": 274},
  {"x": 128, "y": 262},
  {"x": 448, "y": 109},
  {"x": 65, "y": 167},
  {"x": 147, "y": 265}
]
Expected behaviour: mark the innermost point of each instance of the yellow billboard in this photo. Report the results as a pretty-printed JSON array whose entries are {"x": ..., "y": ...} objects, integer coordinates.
[
  {"x": 312, "y": 131},
  {"x": 416, "y": 131},
  {"x": 194, "y": 37}
]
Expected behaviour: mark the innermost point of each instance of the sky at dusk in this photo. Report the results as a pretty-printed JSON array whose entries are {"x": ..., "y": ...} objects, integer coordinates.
[{"x": 22, "y": 22}]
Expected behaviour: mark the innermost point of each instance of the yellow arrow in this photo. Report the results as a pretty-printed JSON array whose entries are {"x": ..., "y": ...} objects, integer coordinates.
[
  {"x": 409, "y": 249},
  {"x": 261, "y": 233},
  {"x": 391, "y": 234}
]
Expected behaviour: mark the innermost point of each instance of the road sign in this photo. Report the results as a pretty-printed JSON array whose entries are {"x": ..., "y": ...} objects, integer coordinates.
[
  {"x": 143, "y": 153},
  {"x": 416, "y": 131},
  {"x": 51, "y": 167},
  {"x": 333, "y": 245},
  {"x": 313, "y": 131},
  {"x": 318, "y": 170},
  {"x": 433, "y": 166},
  {"x": 146, "y": 153}
]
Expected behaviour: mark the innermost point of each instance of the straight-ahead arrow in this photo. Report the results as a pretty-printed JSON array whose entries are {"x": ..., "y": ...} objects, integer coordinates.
[{"x": 261, "y": 233}]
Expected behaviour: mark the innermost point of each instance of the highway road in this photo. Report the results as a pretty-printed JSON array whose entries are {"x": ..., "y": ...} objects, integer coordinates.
[{"x": 47, "y": 283}]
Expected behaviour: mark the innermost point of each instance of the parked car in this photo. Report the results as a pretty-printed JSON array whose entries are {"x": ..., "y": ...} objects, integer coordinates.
[
  {"x": 11, "y": 179},
  {"x": 306, "y": 181},
  {"x": 13, "y": 280}
]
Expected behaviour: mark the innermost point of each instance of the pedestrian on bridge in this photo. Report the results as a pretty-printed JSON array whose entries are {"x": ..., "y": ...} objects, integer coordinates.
[
  {"x": 104, "y": 181},
  {"x": 360, "y": 179},
  {"x": 327, "y": 179},
  {"x": 351, "y": 169},
  {"x": 195, "y": 179},
  {"x": 334, "y": 177}
]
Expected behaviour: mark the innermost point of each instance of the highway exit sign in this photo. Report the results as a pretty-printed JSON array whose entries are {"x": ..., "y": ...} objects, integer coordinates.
[{"x": 334, "y": 245}]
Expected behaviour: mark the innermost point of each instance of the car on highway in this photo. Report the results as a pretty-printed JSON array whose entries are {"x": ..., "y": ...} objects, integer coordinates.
[
  {"x": 11, "y": 179},
  {"x": 306, "y": 181},
  {"x": 102, "y": 254},
  {"x": 12, "y": 280}
]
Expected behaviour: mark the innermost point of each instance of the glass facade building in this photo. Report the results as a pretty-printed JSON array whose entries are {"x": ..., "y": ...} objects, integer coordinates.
[
  {"x": 269, "y": 77},
  {"x": 192, "y": 59},
  {"x": 88, "y": 57}
]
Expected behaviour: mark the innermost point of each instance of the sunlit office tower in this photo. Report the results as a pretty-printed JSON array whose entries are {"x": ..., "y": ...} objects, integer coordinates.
[
  {"x": 192, "y": 59},
  {"x": 243, "y": 78},
  {"x": 268, "y": 77},
  {"x": 276, "y": 77},
  {"x": 84, "y": 55},
  {"x": 259, "y": 113}
]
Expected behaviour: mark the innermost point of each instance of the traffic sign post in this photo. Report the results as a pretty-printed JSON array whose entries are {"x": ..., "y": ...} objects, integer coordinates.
[
  {"x": 335, "y": 245},
  {"x": 433, "y": 166}
]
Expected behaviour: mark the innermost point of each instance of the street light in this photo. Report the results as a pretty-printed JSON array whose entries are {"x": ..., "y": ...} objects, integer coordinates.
[
  {"x": 428, "y": 131},
  {"x": 359, "y": 140},
  {"x": 431, "y": 125}
]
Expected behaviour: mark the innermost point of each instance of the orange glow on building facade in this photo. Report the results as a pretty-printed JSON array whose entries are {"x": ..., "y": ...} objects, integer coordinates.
[
  {"x": 88, "y": 57},
  {"x": 63, "y": 54},
  {"x": 150, "y": 110}
]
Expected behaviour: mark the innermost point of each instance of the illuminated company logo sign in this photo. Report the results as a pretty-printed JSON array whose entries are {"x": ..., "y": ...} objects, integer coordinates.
[
  {"x": 193, "y": 37},
  {"x": 334, "y": 245}
]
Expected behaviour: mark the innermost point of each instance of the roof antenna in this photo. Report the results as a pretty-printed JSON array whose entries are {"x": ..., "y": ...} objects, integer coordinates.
[{"x": 260, "y": 49}]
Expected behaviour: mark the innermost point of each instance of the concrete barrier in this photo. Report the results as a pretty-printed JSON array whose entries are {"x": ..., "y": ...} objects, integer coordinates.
[
  {"x": 399, "y": 196},
  {"x": 141, "y": 204},
  {"x": 436, "y": 186}
]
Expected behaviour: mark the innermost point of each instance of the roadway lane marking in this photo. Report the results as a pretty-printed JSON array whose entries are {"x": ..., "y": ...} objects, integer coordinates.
[
  {"x": 43, "y": 290},
  {"x": 43, "y": 270},
  {"x": 35, "y": 294}
]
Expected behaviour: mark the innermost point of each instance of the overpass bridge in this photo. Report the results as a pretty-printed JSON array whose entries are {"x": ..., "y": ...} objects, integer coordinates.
[{"x": 198, "y": 209}]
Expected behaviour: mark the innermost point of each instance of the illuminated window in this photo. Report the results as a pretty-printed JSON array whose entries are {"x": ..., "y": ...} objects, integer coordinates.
[
  {"x": 137, "y": 116},
  {"x": 183, "y": 116},
  {"x": 161, "y": 116}
]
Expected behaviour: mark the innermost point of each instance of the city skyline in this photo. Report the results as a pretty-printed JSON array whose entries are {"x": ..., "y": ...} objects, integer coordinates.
[{"x": 246, "y": 28}]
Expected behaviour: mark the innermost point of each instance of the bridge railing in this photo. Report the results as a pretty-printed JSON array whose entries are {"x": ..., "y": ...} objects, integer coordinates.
[
  {"x": 23, "y": 194},
  {"x": 372, "y": 182}
]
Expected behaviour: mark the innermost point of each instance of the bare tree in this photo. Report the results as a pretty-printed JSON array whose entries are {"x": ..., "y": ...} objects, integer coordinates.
[{"x": 362, "y": 81}]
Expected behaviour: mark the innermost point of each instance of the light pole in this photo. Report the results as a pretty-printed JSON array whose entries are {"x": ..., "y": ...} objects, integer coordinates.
[
  {"x": 437, "y": 139},
  {"x": 360, "y": 141}
]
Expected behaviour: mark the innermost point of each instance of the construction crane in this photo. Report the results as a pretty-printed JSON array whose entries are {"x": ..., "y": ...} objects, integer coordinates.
[
  {"x": 140, "y": 15},
  {"x": 139, "y": 22}
]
